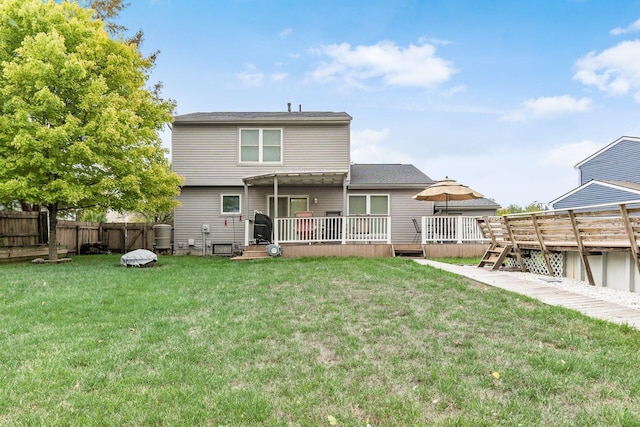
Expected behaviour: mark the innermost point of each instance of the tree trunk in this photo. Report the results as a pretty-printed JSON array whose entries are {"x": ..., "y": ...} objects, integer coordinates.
[{"x": 53, "y": 234}]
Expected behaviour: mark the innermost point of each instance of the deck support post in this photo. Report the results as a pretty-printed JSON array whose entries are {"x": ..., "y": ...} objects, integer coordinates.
[
  {"x": 635, "y": 251},
  {"x": 583, "y": 253},
  {"x": 514, "y": 244},
  {"x": 543, "y": 247}
]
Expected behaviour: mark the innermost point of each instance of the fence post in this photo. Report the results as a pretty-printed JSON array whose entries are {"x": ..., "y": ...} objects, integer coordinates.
[
  {"x": 459, "y": 229},
  {"x": 124, "y": 237},
  {"x": 78, "y": 239},
  {"x": 43, "y": 228}
]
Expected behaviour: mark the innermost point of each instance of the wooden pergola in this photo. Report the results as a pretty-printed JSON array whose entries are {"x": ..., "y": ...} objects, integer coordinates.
[{"x": 589, "y": 230}]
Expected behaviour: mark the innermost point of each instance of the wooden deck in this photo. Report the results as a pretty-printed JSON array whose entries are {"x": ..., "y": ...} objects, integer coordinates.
[
  {"x": 586, "y": 230},
  {"x": 374, "y": 250},
  {"x": 548, "y": 294}
]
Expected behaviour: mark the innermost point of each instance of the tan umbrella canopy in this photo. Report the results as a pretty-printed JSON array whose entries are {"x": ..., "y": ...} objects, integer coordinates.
[{"x": 445, "y": 190}]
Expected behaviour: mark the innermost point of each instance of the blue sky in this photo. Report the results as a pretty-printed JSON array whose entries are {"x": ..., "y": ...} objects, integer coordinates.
[{"x": 504, "y": 96}]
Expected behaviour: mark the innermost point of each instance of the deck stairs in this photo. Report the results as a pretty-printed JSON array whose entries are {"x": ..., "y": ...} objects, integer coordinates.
[
  {"x": 409, "y": 251},
  {"x": 495, "y": 255},
  {"x": 252, "y": 252}
]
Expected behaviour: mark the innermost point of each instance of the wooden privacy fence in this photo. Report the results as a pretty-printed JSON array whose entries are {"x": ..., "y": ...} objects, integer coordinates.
[
  {"x": 30, "y": 229},
  {"x": 23, "y": 228},
  {"x": 117, "y": 237}
]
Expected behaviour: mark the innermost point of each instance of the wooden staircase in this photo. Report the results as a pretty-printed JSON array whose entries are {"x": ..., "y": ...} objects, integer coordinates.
[
  {"x": 410, "y": 251},
  {"x": 253, "y": 252},
  {"x": 495, "y": 255}
]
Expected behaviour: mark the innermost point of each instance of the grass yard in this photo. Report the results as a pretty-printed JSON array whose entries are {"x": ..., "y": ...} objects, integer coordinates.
[{"x": 322, "y": 341}]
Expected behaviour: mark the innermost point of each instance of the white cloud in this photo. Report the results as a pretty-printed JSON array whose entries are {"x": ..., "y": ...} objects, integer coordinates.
[
  {"x": 251, "y": 77},
  {"x": 286, "y": 32},
  {"x": 547, "y": 107},
  {"x": 456, "y": 89},
  {"x": 413, "y": 66},
  {"x": 367, "y": 147},
  {"x": 615, "y": 71},
  {"x": 435, "y": 41},
  {"x": 278, "y": 77},
  {"x": 633, "y": 28},
  {"x": 551, "y": 106},
  {"x": 569, "y": 155}
]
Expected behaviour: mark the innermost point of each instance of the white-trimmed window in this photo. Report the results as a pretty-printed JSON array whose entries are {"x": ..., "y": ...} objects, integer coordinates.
[
  {"x": 230, "y": 204},
  {"x": 259, "y": 145},
  {"x": 368, "y": 204},
  {"x": 288, "y": 205}
]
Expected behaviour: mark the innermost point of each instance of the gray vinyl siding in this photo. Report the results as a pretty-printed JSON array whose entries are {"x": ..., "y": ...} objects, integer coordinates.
[
  {"x": 403, "y": 210},
  {"x": 594, "y": 195},
  {"x": 619, "y": 163},
  {"x": 208, "y": 154},
  {"x": 201, "y": 205},
  {"x": 329, "y": 198}
]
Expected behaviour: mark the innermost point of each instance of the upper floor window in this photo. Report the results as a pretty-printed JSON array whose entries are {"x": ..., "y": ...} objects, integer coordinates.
[{"x": 261, "y": 145}]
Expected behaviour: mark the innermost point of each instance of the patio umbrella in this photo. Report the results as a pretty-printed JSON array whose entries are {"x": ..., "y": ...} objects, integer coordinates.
[{"x": 445, "y": 190}]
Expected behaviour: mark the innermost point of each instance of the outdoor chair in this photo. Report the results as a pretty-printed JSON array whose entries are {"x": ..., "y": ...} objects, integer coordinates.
[
  {"x": 333, "y": 225},
  {"x": 416, "y": 238},
  {"x": 304, "y": 225}
]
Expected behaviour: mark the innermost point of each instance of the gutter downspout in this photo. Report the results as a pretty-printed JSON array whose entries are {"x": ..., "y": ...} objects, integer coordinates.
[
  {"x": 275, "y": 210},
  {"x": 247, "y": 219},
  {"x": 344, "y": 208}
]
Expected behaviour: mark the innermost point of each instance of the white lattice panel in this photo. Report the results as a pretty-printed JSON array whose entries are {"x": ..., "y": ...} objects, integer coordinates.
[{"x": 534, "y": 263}]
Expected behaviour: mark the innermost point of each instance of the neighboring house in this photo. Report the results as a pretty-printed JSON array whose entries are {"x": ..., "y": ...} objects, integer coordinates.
[
  {"x": 236, "y": 164},
  {"x": 610, "y": 175},
  {"x": 475, "y": 207},
  {"x": 114, "y": 216}
]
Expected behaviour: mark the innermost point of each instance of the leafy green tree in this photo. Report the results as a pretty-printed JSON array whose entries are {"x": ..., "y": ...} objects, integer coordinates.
[
  {"x": 78, "y": 127},
  {"x": 94, "y": 215},
  {"x": 531, "y": 207}
]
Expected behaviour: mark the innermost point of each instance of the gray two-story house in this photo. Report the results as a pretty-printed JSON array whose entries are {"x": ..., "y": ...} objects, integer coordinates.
[
  {"x": 610, "y": 175},
  {"x": 295, "y": 168}
]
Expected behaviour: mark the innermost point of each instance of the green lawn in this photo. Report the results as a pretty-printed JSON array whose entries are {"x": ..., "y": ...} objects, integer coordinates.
[{"x": 322, "y": 341}]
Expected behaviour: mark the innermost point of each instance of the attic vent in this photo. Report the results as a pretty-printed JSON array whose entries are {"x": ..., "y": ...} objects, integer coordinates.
[{"x": 288, "y": 106}]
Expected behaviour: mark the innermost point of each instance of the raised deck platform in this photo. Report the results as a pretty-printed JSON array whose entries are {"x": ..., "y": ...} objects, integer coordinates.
[
  {"x": 588, "y": 231},
  {"x": 373, "y": 250}
]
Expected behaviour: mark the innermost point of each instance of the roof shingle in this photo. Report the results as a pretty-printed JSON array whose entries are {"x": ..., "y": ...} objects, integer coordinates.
[
  {"x": 261, "y": 117},
  {"x": 388, "y": 174}
]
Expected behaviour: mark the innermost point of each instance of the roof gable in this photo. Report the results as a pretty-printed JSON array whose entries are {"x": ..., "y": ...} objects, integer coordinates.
[
  {"x": 608, "y": 147},
  {"x": 615, "y": 188}
]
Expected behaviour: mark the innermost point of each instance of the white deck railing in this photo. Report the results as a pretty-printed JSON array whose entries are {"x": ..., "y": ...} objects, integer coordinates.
[
  {"x": 365, "y": 229},
  {"x": 340, "y": 229},
  {"x": 456, "y": 229},
  {"x": 337, "y": 229}
]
